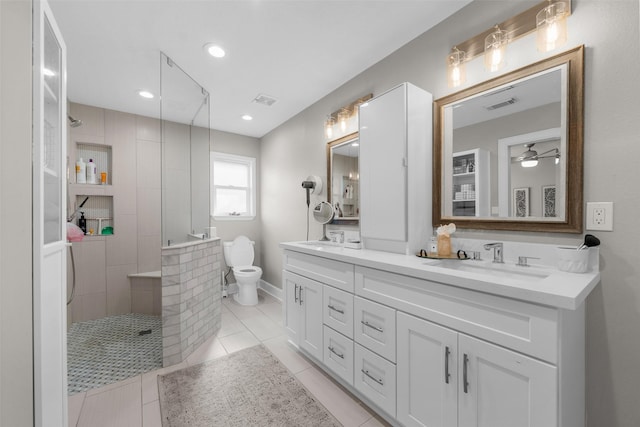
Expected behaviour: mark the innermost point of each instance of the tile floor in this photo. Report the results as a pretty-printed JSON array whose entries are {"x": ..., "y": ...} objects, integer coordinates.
[{"x": 134, "y": 402}]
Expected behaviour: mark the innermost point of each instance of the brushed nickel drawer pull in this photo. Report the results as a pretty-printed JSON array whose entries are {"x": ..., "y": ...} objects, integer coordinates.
[
  {"x": 295, "y": 294},
  {"x": 335, "y": 309},
  {"x": 447, "y": 375},
  {"x": 379, "y": 381},
  {"x": 341, "y": 356},
  {"x": 365, "y": 323}
]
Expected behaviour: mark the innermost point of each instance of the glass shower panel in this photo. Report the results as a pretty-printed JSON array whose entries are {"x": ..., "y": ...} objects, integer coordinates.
[{"x": 185, "y": 115}]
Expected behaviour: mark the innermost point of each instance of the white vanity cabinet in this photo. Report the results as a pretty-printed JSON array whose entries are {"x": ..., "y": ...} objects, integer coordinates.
[
  {"x": 446, "y": 378},
  {"x": 425, "y": 352},
  {"x": 395, "y": 160}
]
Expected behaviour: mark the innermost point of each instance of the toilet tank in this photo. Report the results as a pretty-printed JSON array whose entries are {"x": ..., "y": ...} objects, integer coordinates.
[{"x": 240, "y": 250}]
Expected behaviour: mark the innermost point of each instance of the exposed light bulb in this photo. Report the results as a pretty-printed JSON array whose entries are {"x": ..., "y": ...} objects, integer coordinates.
[
  {"x": 551, "y": 24},
  {"x": 494, "y": 47},
  {"x": 456, "y": 68}
]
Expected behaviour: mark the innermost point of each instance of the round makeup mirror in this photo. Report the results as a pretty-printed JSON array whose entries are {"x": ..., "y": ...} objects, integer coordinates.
[{"x": 323, "y": 213}]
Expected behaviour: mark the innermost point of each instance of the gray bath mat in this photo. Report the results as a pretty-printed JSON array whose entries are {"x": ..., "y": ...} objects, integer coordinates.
[{"x": 247, "y": 388}]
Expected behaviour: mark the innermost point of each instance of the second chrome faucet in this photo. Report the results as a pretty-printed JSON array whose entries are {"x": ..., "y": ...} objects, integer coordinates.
[{"x": 497, "y": 251}]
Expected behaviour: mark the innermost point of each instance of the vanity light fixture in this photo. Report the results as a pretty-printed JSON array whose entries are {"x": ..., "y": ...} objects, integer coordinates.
[
  {"x": 551, "y": 25},
  {"x": 494, "y": 49},
  {"x": 328, "y": 126},
  {"x": 549, "y": 18},
  {"x": 215, "y": 50},
  {"x": 343, "y": 116},
  {"x": 146, "y": 94},
  {"x": 456, "y": 69}
]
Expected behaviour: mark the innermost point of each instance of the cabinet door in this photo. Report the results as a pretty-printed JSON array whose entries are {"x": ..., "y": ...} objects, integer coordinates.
[
  {"x": 504, "y": 388},
  {"x": 310, "y": 299},
  {"x": 383, "y": 159},
  {"x": 291, "y": 306},
  {"x": 427, "y": 373}
]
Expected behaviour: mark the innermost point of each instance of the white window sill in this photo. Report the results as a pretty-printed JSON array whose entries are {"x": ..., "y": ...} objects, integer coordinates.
[{"x": 233, "y": 218}]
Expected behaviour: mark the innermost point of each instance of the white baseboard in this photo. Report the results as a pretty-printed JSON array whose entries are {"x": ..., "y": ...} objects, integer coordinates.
[{"x": 270, "y": 289}]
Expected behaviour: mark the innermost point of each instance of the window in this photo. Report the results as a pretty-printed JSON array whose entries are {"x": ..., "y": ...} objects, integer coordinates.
[{"x": 233, "y": 181}]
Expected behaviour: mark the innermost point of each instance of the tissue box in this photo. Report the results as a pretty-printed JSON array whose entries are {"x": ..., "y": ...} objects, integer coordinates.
[{"x": 572, "y": 260}]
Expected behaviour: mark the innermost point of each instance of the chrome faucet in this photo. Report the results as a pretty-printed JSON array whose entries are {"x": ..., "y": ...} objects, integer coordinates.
[{"x": 497, "y": 251}]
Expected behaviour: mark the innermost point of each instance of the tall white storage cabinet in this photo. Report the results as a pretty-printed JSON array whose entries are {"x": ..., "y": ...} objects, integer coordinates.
[
  {"x": 395, "y": 170},
  {"x": 49, "y": 220}
]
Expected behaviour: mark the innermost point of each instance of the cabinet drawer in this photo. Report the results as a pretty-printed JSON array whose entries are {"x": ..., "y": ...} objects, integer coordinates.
[
  {"x": 375, "y": 377},
  {"x": 525, "y": 327},
  {"x": 375, "y": 327},
  {"x": 334, "y": 273},
  {"x": 338, "y": 310},
  {"x": 338, "y": 354}
]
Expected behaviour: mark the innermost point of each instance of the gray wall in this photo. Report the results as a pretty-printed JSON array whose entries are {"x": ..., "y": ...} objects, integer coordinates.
[
  {"x": 16, "y": 351},
  {"x": 610, "y": 32}
]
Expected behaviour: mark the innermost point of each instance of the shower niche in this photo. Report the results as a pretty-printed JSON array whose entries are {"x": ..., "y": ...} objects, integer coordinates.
[{"x": 101, "y": 155}]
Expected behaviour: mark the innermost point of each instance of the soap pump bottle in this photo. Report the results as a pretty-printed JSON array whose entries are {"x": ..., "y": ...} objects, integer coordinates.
[
  {"x": 91, "y": 172},
  {"x": 82, "y": 223},
  {"x": 433, "y": 244}
]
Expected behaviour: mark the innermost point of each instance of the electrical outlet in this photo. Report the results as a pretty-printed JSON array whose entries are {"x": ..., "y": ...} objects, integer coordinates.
[{"x": 600, "y": 216}]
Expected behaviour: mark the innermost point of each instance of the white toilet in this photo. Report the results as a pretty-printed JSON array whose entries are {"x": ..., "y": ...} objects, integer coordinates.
[{"x": 239, "y": 256}]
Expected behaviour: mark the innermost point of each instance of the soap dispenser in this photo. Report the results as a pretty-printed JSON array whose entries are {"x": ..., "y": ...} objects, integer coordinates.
[{"x": 82, "y": 223}]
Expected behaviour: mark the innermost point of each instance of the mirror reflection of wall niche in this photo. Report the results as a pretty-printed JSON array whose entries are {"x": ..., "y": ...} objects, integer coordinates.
[{"x": 345, "y": 180}]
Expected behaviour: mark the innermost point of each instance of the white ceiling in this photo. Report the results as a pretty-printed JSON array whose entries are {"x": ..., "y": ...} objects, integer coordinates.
[{"x": 296, "y": 51}]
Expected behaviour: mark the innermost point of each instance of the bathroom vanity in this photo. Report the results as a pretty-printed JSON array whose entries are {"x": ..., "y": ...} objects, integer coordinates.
[{"x": 442, "y": 342}]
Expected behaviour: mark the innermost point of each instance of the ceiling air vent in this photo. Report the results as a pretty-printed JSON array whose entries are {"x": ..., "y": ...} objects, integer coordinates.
[
  {"x": 502, "y": 104},
  {"x": 264, "y": 100}
]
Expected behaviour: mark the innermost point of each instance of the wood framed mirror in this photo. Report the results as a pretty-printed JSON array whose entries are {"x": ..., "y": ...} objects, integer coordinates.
[
  {"x": 508, "y": 153},
  {"x": 343, "y": 176}
]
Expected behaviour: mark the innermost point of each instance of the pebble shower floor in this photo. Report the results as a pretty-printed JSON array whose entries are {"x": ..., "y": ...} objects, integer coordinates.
[{"x": 111, "y": 349}]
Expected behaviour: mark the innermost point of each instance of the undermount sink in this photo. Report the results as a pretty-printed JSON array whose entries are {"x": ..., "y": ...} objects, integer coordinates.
[
  {"x": 319, "y": 244},
  {"x": 505, "y": 271}
]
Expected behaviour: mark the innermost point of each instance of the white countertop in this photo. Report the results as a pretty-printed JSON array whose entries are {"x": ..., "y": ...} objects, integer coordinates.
[{"x": 558, "y": 289}]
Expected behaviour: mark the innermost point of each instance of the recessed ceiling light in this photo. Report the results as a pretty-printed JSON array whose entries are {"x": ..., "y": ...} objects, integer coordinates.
[
  {"x": 146, "y": 94},
  {"x": 215, "y": 50},
  {"x": 247, "y": 117}
]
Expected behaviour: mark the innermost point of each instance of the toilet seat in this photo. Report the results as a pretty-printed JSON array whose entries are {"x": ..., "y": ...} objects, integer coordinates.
[{"x": 246, "y": 271}]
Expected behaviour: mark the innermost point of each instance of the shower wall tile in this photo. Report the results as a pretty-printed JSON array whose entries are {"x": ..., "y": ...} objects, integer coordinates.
[
  {"x": 149, "y": 166},
  {"x": 149, "y": 253},
  {"x": 91, "y": 307},
  {"x": 89, "y": 257},
  {"x": 122, "y": 247},
  {"x": 148, "y": 128},
  {"x": 149, "y": 212},
  {"x": 120, "y": 131},
  {"x": 119, "y": 289},
  {"x": 92, "y": 119}
]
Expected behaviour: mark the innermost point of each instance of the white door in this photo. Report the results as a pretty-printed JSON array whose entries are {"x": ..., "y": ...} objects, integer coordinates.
[
  {"x": 291, "y": 306},
  {"x": 501, "y": 388},
  {"x": 427, "y": 373},
  {"x": 310, "y": 298},
  {"x": 49, "y": 220},
  {"x": 383, "y": 166}
]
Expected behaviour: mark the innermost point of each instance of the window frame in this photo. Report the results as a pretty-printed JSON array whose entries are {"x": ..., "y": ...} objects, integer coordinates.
[{"x": 251, "y": 189}]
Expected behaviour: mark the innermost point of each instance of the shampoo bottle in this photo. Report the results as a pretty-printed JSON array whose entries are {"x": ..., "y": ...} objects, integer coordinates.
[
  {"x": 82, "y": 223},
  {"x": 91, "y": 172},
  {"x": 81, "y": 172}
]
